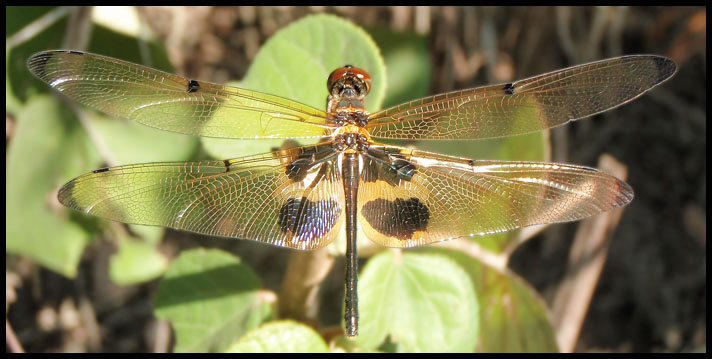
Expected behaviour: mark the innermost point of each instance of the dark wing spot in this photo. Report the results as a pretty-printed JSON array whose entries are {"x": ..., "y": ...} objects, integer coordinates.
[
  {"x": 381, "y": 166},
  {"x": 298, "y": 169},
  {"x": 226, "y": 163},
  {"x": 100, "y": 170},
  {"x": 509, "y": 89},
  {"x": 307, "y": 220},
  {"x": 403, "y": 169},
  {"x": 399, "y": 219},
  {"x": 193, "y": 86},
  {"x": 288, "y": 215}
]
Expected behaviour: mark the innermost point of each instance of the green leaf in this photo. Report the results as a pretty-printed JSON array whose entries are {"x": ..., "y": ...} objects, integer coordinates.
[
  {"x": 138, "y": 259},
  {"x": 47, "y": 148},
  {"x": 56, "y": 155},
  {"x": 296, "y": 62},
  {"x": 136, "y": 262},
  {"x": 424, "y": 302},
  {"x": 513, "y": 316},
  {"x": 149, "y": 234},
  {"x": 210, "y": 298},
  {"x": 280, "y": 337}
]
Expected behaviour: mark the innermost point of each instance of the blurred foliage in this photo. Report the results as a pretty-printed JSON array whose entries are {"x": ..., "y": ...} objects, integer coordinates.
[
  {"x": 46, "y": 147},
  {"x": 408, "y": 68},
  {"x": 126, "y": 142}
]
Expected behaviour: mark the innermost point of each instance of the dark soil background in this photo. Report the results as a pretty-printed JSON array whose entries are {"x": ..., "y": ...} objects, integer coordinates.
[{"x": 652, "y": 293}]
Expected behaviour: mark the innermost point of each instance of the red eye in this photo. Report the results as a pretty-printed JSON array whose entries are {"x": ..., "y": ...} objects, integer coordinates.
[
  {"x": 349, "y": 70},
  {"x": 363, "y": 76},
  {"x": 336, "y": 75}
]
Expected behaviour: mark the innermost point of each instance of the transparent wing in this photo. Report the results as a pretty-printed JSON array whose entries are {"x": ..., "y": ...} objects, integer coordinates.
[
  {"x": 524, "y": 106},
  {"x": 408, "y": 198},
  {"x": 291, "y": 198},
  {"x": 171, "y": 102}
]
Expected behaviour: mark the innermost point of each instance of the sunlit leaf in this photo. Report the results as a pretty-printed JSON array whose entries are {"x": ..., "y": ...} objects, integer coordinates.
[
  {"x": 280, "y": 337},
  {"x": 210, "y": 298},
  {"x": 136, "y": 262},
  {"x": 423, "y": 302},
  {"x": 513, "y": 317}
]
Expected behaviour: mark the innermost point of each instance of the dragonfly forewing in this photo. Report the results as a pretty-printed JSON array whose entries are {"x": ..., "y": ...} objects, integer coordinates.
[
  {"x": 524, "y": 106},
  {"x": 173, "y": 103}
]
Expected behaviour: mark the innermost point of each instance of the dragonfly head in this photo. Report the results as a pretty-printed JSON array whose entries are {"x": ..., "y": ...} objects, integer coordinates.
[{"x": 349, "y": 81}]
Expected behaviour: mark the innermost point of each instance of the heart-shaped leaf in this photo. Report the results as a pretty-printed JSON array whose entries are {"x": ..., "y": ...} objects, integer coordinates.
[
  {"x": 424, "y": 302},
  {"x": 513, "y": 317}
]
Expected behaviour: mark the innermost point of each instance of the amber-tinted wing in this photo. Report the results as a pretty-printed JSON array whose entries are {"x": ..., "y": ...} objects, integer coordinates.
[
  {"x": 408, "y": 197},
  {"x": 291, "y": 198},
  {"x": 524, "y": 106},
  {"x": 171, "y": 102}
]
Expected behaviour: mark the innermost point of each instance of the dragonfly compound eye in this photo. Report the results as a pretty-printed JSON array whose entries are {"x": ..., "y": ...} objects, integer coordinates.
[{"x": 358, "y": 78}]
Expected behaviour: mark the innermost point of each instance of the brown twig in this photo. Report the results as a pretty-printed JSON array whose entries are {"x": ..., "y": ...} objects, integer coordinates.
[{"x": 305, "y": 272}]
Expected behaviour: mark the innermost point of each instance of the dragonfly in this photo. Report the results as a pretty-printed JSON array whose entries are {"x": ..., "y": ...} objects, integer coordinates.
[{"x": 302, "y": 197}]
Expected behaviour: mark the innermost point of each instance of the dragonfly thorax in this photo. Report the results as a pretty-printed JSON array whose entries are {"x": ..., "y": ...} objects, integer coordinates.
[
  {"x": 351, "y": 138},
  {"x": 350, "y": 116}
]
